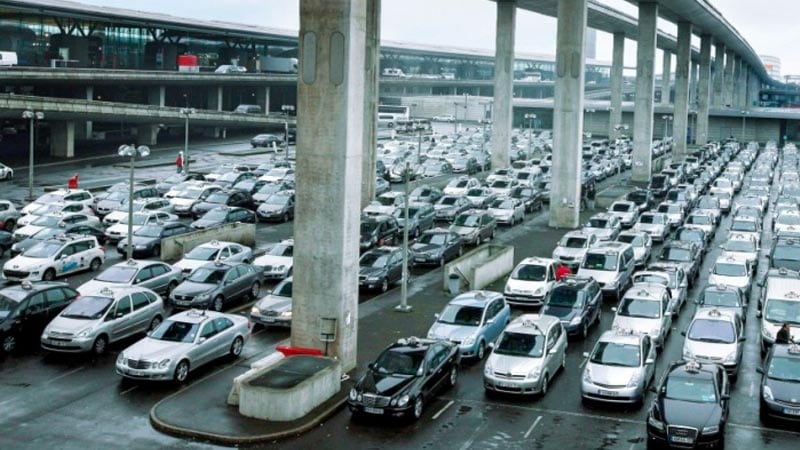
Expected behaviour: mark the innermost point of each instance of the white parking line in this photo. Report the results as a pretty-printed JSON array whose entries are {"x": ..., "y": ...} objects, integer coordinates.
[
  {"x": 66, "y": 374},
  {"x": 439, "y": 413},
  {"x": 128, "y": 390},
  {"x": 583, "y": 363},
  {"x": 474, "y": 436},
  {"x": 530, "y": 430},
  {"x": 752, "y": 386}
]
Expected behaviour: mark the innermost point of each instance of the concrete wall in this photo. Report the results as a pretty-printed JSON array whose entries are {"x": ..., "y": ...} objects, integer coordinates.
[
  {"x": 482, "y": 266},
  {"x": 173, "y": 248},
  {"x": 760, "y": 130}
]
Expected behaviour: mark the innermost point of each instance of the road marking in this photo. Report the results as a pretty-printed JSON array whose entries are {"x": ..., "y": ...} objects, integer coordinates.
[
  {"x": 66, "y": 374},
  {"x": 439, "y": 413},
  {"x": 632, "y": 446},
  {"x": 530, "y": 430},
  {"x": 583, "y": 363},
  {"x": 474, "y": 436},
  {"x": 751, "y": 389},
  {"x": 242, "y": 307},
  {"x": 128, "y": 390}
]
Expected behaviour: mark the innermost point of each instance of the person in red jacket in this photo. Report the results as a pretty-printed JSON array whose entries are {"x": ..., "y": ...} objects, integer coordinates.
[
  {"x": 179, "y": 162},
  {"x": 562, "y": 271}
]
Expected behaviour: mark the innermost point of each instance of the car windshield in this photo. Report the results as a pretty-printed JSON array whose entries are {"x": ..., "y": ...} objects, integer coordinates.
[
  {"x": 565, "y": 297},
  {"x": 500, "y": 184},
  {"x": 216, "y": 214},
  {"x": 47, "y": 233},
  {"x": 616, "y": 354},
  {"x": 448, "y": 201},
  {"x": 173, "y": 179},
  {"x": 743, "y": 225},
  {"x": 676, "y": 254},
  {"x": 789, "y": 219},
  {"x": 467, "y": 220},
  {"x": 46, "y": 209},
  {"x": 621, "y": 207},
  {"x": 190, "y": 193},
  {"x": 529, "y": 272},
  {"x": 708, "y": 203},
  {"x": 395, "y": 362},
  {"x": 117, "y": 274},
  {"x": 520, "y": 344},
  {"x": 175, "y": 331},
  {"x": 598, "y": 223},
  {"x": 153, "y": 231},
  {"x": 716, "y": 331},
  {"x": 461, "y": 315},
  {"x": 637, "y": 197},
  {"x": 503, "y": 204},
  {"x": 218, "y": 198},
  {"x": 458, "y": 183},
  {"x": 478, "y": 192},
  {"x": 730, "y": 270},
  {"x": 377, "y": 260},
  {"x": 669, "y": 209},
  {"x": 698, "y": 219},
  {"x": 139, "y": 219},
  {"x": 284, "y": 289},
  {"x": 784, "y": 368},
  {"x": 691, "y": 235},
  {"x": 228, "y": 177},
  {"x": 651, "y": 219},
  {"x": 47, "y": 221},
  {"x": 433, "y": 239},
  {"x": 639, "y": 307},
  {"x": 7, "y": 305},
  {"x": 277, "y": 199},
  {"x": 44, "y": 249},
  {"x": 599, "y": 261},
  {"x": 739, "y": 245},
  {"x": 726, "y": 299},
  {"x": 269, "y": 188},
  {"x": 573, "y": 242},
  {"x": 50, "y": 198},
  {"x": 89, "y": 307},
  {"x": 281, "y": 250},
  {"x": 207, "y": 275},
  {"x": 783, "y": 311},
  {"x": 692, "y": 389},
  {"x": 277, "y": 173}
]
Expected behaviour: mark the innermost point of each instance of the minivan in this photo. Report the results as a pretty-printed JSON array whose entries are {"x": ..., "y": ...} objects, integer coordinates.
[{"x": 611, "y": 264}]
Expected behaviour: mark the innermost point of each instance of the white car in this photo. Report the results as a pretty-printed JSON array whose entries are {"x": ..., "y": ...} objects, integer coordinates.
[
  {"x": 278, "y": 261},
  {"x": 6, "y": 173},
  {"x": 674, "y": 211},
  {"x": 501, "y": 186},
  {"x": 746, "y": 226},
  {"x": 385, "y": 204},
  {"x": 214, "y": 251},
  {"x": 703, "y": 221},
  {"x": 277, "y": 175},
  {"x": 120, "y": 229},
  {"x": 501, "y": 173},
  {"x": 645, "y": 309},
  {"x": 55, "y": 209},
  {"x": 54, "y": 221},
  {"x": 642, "y": 245},
  {"x": 509, "y": 211},
  {"x": 61, "y": 196},
  {"x": 572, "y": 247},
  {"x": 444, "y": 118},
  {"x": 183, "y": 201},
  {"x": 654, "y": 224},
  {"x": 715, "y": 336},
  {"x": 605, "y": 226},
  {"x": 626, "y": 211},
  {"x": 784, "y": 222},
  {"x": 741, "y": 247},
  {"x": 54, "y": 258},
  {"x": 459, "y": 186},
  {"x": 531, "y": 281},
  {"x": 275, "y": 308},
  {"x": 731, "y": 271},
  {"x": 143, "y": 205}
]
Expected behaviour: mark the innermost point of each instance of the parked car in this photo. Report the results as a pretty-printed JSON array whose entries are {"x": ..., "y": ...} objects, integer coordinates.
[
  {"x": 54, "y": 258},
  {"x": 267, "y": 140},
  {"x": 436, "y": 246},
  {"x": 157, "y": 276},
  {"x": 225, "y": 197},
  {"x": 277, "y": 207},
  {"x": 578, "y": 302},
  {"x": 222, "y": 215},
  {"x": 619, "y": 369},
  {"x": 380, "y": 268},
  {"x": 474, "y": 226},
  {"x": 146, "y": 241},
  {"x": 645, "y": 309},
  {"x": 224, "y": 251},
  {"x": 215, "y": 284},
  {"x": 531, "y": 281},
  {"x": 277, "y": 262},
  {"x": 275, "y": 308},
  {"x": 472, "y": 320},
  {"x": 715, "y": 336},
  {"x": 780, "y": 384},
  {"x": 27, "y": 308}
]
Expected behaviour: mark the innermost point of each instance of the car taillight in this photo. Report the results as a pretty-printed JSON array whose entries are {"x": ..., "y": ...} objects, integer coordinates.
[{"x": 102, "y": 249}]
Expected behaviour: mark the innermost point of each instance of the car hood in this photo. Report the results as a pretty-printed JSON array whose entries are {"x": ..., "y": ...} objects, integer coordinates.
[
  {"x": 514, "y": 365},
  {"x": 204, "y": 223},
  {"x": 379, "y": 209},
  {"x": 204, "y": 206},
  {"x": 274, "y": 303},
  {"x": 611, "y": 375},
  {"x": 649, "y": 226},
  {"x": 638, "y": 324},
  {"x": 573, "y": 252},
  {"x": 387, "y": 385},
  {"x": 268, "y": 208},
  {"x": 69, "y": 325},
  {"x": 370, "y": 271},
  {"x": 462, "y": 230},
  {"x": 21, "y": 262},
  {"x": 525, "y": 287},
  {"x": 450, "y": 332},
  {"x": 156, "y": 350},
  {"x": 786, "y": 391},
  {"x": 28, "y": 230},
  {"x": 500, "y": 212},
  {"x": 709, "y": 349},
  {"x": 193, "y": 288},
  {"x": 691, "y": 414},
  {"x": 272, "y": 260},
  {"x": 96, "y": 286},
  {"x": 108, "y": 204},
  {"x": 425, "y": 248},
  {"x": 562, "y": 312},
  {"x": 740, "y": 282},
  {"x": 180, "y": 201},
  {"x": 190, "y": 264},
  {"x": 121, "y": 228}
]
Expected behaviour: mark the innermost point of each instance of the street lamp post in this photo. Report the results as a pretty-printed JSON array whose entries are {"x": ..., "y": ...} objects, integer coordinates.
[
  {"x": 32, "y": 117},
  {"x": 404, "y": 306},
  {"x": 589, "y": 122},
  {"x": 744, "y": 122},
  {"x": 530, "y": 117},
  {"x": 132, "y": 151},
  {"x": 186, "y": 112},
  {"x": 666, "y": 118},
  {"x": 287, "y": 109}
]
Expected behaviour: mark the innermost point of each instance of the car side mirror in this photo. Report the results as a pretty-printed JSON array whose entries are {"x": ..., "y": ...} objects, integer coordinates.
[
  {"x": 585, "y": 354},
  {"x": 201, "y": 340},
  {"x": 137, "y": 281},
  {"x": 118, "y": 315},
  {"x": 650, "y": 361},
  {"x": 489, "y": 321},
  {"x": 614, "y": 309},
  {"x": 758, "y": 314},
  {"x": 436, "y": 316},
  {"x": 742, "y": 339},
  {"x": 552, "y": 351},
  {"x": 371, "y": 366}
]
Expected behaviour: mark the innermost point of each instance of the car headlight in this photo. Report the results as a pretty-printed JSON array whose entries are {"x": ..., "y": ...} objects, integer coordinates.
[
  {"x": 373, "y": 278},
  {"x": 711, "y": 430},
  {"x": 203, "y": 297},
  {"x": 767, "y": 334},
  {"x": 85, "y": 332},
  {"x": 539, "y": 291},
  {"x": 281, "y": 267},
  {"x": 634, "y": 381},
  {"x": 353, "y": 394},
  {"x": 255, "y": 310},
  {"x": 403, "y": 401},
  {"x": 687, "y": 353},
  {"x": 575, "y": 321},
  {"x": 163, "y": 363},
  {"x": 507, "y": 289},
  {"x": 535, "y": 373},
  {"x": 469, "y": 340},
  {"x": 655, "y": 332},
  {"x": 767, "y": 393},
  {"x": 286, "y": 314},
  {"x": 731, "y": 357},
  {"x": 587, "y": 374},
  {"x": 121, "y": 359},
  {"x": 655, "y": 423},
  {"x": 487, "y": 368}
]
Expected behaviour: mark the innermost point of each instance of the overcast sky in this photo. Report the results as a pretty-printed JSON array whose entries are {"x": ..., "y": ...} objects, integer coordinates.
[{"x": 770, "y": 26}]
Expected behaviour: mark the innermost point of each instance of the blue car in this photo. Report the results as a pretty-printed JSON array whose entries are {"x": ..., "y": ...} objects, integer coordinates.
[
  {"x": 577, "y": 302},
  {"x": 472, "y": 321}
]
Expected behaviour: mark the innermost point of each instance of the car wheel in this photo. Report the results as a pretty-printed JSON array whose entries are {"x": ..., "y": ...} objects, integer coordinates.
[
  {"x": 255, "y": 289},
  {"x": 9, "y": 225},
  {"x": 181, "y": 371},
  {"x": 217, "y": 305},
  {"x": 95, "y": 264},
  {"x": 236, "y": 347},
  {"x": 100, "y": 345},
  {"x": 453, "y": 378},
  {"x": 49, "y": 275},
  {"x": 544, "y": 385},
  {"x": 384, "y": 285},
  {"x": 157, "y": 251},
  {"x": 285, "y": 217},
  {"x": 481, "y": 351},
  {"x": 563, "y": 360},
  {"x": 418, "y": 407},
  {"x": 585, "y": 330},
  {"x": 154, "y": 323},
  {"x": 9, "y": 344}
]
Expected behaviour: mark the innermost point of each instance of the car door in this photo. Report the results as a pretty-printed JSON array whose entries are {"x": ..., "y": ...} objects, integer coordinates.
[
  {"x": 145, "y": 278},
  {"x": 648, "y": 354},
  {"x": 141, "y": 315},
  {"x": 494, "y": 321},
  {"x": 67, "y": 261},
  {"x": 552, "y": 356},
  {"x": 120, "y": 316},
  {"x": 206, "y": 343},
  {"x": 34, "y": 317},
  {"x": 224, "y": 336},
  {"x": 395, "y": 267},
  {"x": 239, "y": 279},
  {"x": 57, "y": 299}
]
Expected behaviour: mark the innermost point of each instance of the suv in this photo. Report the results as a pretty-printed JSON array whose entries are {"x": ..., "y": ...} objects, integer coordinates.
[
  {"x": 577, "y": 302},
  {"x": 474, "y": 226},
  {"x": 611, "y": 264},
  {"x": 716, "y": 337},
  {"x": 531, "y": 281},
  {"x": 687, "y": 388},
  {"x": 26, "y": 309},
  {"x": 55, "y": 257}
]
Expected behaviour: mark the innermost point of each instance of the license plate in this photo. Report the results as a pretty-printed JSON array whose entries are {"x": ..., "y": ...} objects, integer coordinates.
[
  {"x": 608, "y": 393},
  {"x": 134, "y": 372},
  {"x": 269, "y": 319},
  {"x": 419, "y": 259},
  {"x": 791, "y": 412},
  {"x": 369, "y": 410},
  {"x": 681, "y": 440},
  {"x": 59, "y": 343},
  {"x": 504, "y": 384}
]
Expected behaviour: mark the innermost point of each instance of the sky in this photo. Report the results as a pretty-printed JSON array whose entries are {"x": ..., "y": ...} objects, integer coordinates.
[{"x": 770, "y": 30}]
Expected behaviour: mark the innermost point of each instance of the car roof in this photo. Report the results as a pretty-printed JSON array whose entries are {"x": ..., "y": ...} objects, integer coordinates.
[
  {"x": 646, "y": 291},
  {"x": 197, "y": 316},
  {"x": 532, "y": 323},
  {"x": 786, "y": 350},
  {"x": 537, "y": 261},
  {"x": 693, "y": 368},
  {"x": 217, "y": 244},
  {"x": 475, "y": 298},
  {"x": 139, "y": 263},
  {"x": 621, "y": 336},
  {"x": 27, "y": 286}
]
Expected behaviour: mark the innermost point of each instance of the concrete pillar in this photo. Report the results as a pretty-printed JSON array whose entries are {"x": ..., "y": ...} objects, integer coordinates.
[
  {"x": 215, "y": 97},
  {"x": 262, "y": 98},
  {"x": 718, "y": 96},
  {"x": 503, "y": 83},
  {"x": 666, "y": 68},
  {"x": 373, "y": 37},
  {"x": 89, "y": 128},
  {"x": 147, "y": 134},
  {"x": 729, "y": 80},
  {"x": 693, "y": 85},
  {"x": 643, "y": 109},
  {"x": 742, "y": 84},
  {"x": 62, "y": 139},
  {"x": 565, "y": 191},
  {"x": 157, "y": 95},
  {"x": 330, "y": 137},
  {"x": 681, "y": 113},
  {"x": 703, "y": 91},
  {"x": 617, "y": 66}
]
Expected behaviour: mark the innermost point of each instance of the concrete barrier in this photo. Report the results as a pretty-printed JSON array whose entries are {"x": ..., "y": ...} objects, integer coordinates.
[
  {"x": 607, "y": 196},
  {"x": 173, "y": 248},
  {"x": 481, "y": 266},
  {"x": 255, "y": 368}
]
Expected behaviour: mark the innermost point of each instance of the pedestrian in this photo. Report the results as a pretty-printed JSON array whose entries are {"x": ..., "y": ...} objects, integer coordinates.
[
  {"x": 784, "y": 335},
  {"x": 562, "y": 271},
  {"x": 179, "y": 162}
]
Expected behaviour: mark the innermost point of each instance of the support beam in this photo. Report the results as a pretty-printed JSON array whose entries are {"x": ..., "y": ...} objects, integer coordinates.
[
  {"x": 262, "y": 98},
  {"x": 617, "y": 66},
  {"x": 215, "y": 98},
  {"x": 703, "y": 91},
  {"x": 565, "y": 191},
  {"x": 693, "y": 74},
  {"x": 330, "y": 120},
  {"x": 666, "y": 75},
  {"x": 503, "y": 83},
  {"x": 89, "y": 128},
  {"x": 643, "y": 109},
  {"x": 147, "y": 134},
  {"x": 373, "y": 40},
  {"x": 683, "y": 66},
  {"x": 157, "y": 95},
  {"x": 742, "y": 84},
  {"x": 62, "y": 139},
  {"x": 730, "y": 62},
  {"x": 718, "y": 96}
]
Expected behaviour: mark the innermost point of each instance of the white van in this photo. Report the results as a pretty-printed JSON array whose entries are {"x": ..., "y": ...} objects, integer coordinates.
[
  {"x": 8, "y": 59},
  {"x": 779, "y": 304}
]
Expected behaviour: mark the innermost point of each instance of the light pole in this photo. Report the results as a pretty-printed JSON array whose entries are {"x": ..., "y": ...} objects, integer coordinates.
[
  {"x": 530, "y": 117},
  {"x": 287, "y": 109},
  {"x": 610, "y": 109},
  {"x": 419, "y": 129},
  {"x": 589, "y": 122},
  {"x": 666, "y": 118},
  {"x": 744, "y": 122},
  {"x": 404, "y": 306},
  {"x": 186, "y": 112},
  {"x": 32, "y": 117},
  {"x": 132, "y": 150}
]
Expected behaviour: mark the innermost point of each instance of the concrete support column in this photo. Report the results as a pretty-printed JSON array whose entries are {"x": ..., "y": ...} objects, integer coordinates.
[
  {"x": 718, "y": 96},
  {"x": 89, "y": 128},
  {"x": 565, "y": 191},
  {"x": 262, "y": 98},
  {"x": 693, "y": 85},
  {"x": 666, "y": 75},
  {"x": 330, "y": 120},
  {"x": 617, "y": 66},
  {"x": 643, "y": 110},
  {"x": 681, "y": 113},
  {"x": 703, "y": 91},
  {"x": 503, "y": 83},
  {"x": 157, "y": 95},
  {"x": 373, "y": 39},
  {"x": 215, "y": 97},
  {"x": 62, "y": 139},
  {"x": 742, "y": 84},
  {"x": 147, "y": 134},
  {"x": 729, "y": 80}
]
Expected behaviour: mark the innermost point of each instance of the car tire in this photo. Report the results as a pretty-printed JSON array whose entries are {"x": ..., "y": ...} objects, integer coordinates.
[
  {"x": 481, "y": 351},
  {"x": 236, "y": 347},
  {"x": 100, "y": 345},
  {"x": 452, "y": 379},
  {"x": 217, "y": 304},
  {"x": 545, "y": 382},
  {"x": 9, "y": 225},
  {"x": 157, "y": 251},
  {"x": 384, "y": 285},
  {"x": 255, "y": 289},
  {"x": 9, "y": 344},
  {"x": 419, "y": 407},
  {"x": 585, "y": 330},
  {"x": 49, "y": 275},
  {"x": 94, "y": 266},
  {"x": 154, "y": 323},
  {"x": 285, "y": 217},
  {"x": 181, "y": 371}
]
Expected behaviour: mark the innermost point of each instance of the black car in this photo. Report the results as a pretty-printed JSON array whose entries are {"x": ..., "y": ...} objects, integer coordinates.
[
  {"x": 466, "y": 164},
  {"x": 577, "y": 302},
  {"x": 691, "y": 407},
  {"x": 6, "y": 241},
  {"x": 267, "y": 140},
  {"x": 780, "y": 385},
  {"x": 222, "y": 215},
  {"x": 659, "y": 185},
  {"x": 225, "y": 197},
  {"x": 405, "y": 376},
  {"x": 378, "y": 230},
  {"x": 146, "y": 240},
  {"x": 380, "y": 268},
  {"x": 250, "y": 185},
  {"x": 27, "y": 308},
  {"x": 531, "y": 197},
  {"x": 643, "y": 199},
  {"x": 421, "y": 217},
  {"x": 435, "y": 247},
  {"x": 685, "y": 254}
]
